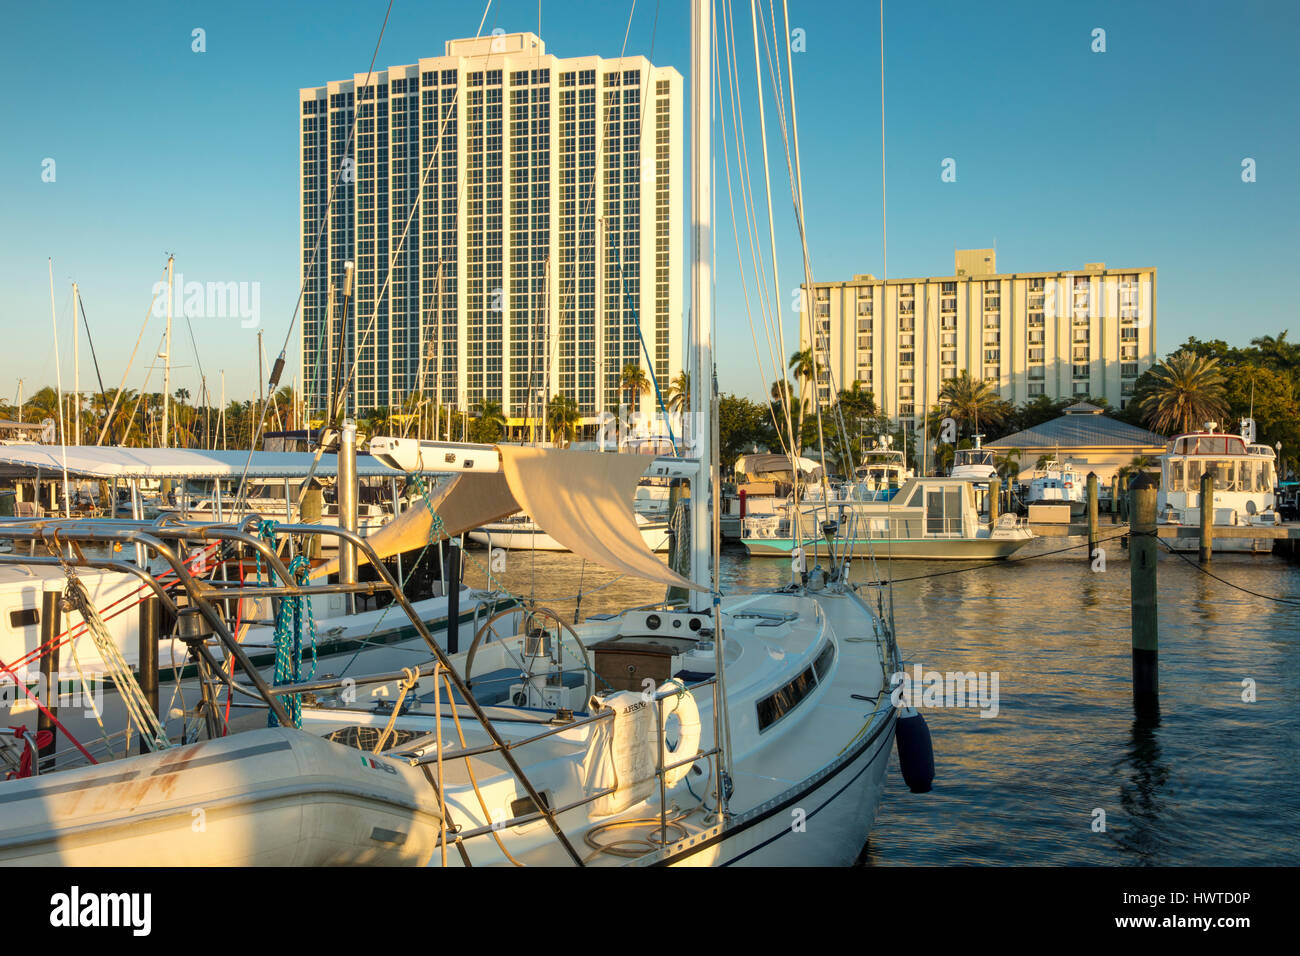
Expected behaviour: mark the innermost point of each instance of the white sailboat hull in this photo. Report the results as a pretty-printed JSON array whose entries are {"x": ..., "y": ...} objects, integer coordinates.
[{"x": 275, "y": 797}]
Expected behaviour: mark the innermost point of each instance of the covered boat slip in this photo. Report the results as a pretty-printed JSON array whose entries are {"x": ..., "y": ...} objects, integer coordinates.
[
  {"x": 788, "y": 657},
  {"x": 929, "y": 518},
  {"x": 208, "y": 479}
]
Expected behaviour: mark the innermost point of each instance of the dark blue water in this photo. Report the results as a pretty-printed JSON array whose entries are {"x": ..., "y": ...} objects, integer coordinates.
[{"x": 1212, "y": 782}]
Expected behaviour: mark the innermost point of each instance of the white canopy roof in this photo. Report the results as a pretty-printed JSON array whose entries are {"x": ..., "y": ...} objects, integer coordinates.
[{"x": 89, "y": 461}]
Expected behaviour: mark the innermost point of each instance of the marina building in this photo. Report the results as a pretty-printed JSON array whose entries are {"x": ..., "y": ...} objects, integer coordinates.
[
  {"x": 1089, "y": 332},
  {"x": 1084, "y": 438},
  {"x": 545, "y": 251}
]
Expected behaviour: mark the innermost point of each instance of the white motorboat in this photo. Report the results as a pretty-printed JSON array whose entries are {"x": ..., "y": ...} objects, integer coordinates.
[
  {"x": 935, "y": 519},
  {"x": 880, "y": 474},
  {"x": 521, "y": 533},
  {"x": 1245, "y": 488},
  {"x": 974, "y": 464},
  {"x": 1058, "y": 484}
]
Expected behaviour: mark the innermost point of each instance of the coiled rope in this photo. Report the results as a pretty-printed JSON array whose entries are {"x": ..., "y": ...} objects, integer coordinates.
[{"x": 294, "y": 625}]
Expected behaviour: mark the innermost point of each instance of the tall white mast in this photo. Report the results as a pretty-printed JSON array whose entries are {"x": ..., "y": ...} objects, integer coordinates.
[
  {"x": 701, "y": 283},
  {"x": 167, "y": 355},
  {"x": 76, "y": 369}
]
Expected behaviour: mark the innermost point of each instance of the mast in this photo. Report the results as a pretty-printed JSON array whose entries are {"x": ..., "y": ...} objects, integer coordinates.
[
  {"x": 701, "y": 282},
  {"x": 76, "y": 370},
  {"x": 167, "y": 356}
]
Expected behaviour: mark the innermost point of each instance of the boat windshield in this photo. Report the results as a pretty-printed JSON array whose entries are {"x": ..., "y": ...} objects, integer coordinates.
[
  {"x": 1207, "y": 445},
  {"x": 1251, "y": 475},
  {"x": 973, "y": 456}
]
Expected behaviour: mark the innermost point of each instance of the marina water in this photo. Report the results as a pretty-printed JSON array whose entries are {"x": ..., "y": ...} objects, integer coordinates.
[{"x": 1211, "y": 784}]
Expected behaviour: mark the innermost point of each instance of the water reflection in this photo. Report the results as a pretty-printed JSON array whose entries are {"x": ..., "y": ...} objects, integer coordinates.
[{"x": 1200, "y": 787}]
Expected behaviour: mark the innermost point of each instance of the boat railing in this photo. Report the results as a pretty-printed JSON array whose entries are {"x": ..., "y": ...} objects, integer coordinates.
[
  {"x": 164, "y": 538},
  {"x": 417, "y": 753}
]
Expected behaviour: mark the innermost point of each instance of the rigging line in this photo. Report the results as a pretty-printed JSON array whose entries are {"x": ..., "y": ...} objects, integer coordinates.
[
  {"x": 771, "y": 225},
  {"x": 994, "y": 563},
  {"x": 884, "y": 234},
  {"x": 315, "y": 253},
  {"x": 585, "y": 213},
  {"x": 1199, "y": 567},
  {"x": 776, "y": 348},
  {"x": 130, "y": 419},
  {"x": 779, "y": 336},
  {"x": 117, "y": 395},
  {"x": 759, "y": 263},
  {"x": 359, "y": 348},
  {"x": 329, "y": 200},
  {"x": 81, "y": 301},
  {"x": 740, "y": 265},
  {"x": 796, "y": 195}
]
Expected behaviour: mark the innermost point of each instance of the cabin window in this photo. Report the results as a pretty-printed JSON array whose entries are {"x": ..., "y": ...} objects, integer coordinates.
[
  {"x": 1175, "y": 476},
  {"x": 824, "y": 661},
  {"x": 24, "y": 617},
  {"x": 775, "y": 706},
  {"x": 943, "y": 511}
]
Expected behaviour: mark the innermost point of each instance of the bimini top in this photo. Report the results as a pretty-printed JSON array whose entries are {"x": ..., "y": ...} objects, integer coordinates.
[{"x": 91, "y": 461}]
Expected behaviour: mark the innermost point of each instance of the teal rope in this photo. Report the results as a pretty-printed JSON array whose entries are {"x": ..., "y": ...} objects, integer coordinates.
[
  {"x": 294, "y": 623},
  {"x": 435, "y": 529}
]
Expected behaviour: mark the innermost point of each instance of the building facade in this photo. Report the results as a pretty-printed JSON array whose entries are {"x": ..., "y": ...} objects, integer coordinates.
[
  {"x": 547, "y": 247},
  {"x": 1060, "y": 334}
]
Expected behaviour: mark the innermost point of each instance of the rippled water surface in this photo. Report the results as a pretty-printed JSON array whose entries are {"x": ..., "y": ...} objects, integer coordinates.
[{"x": 1213, "y": 782}]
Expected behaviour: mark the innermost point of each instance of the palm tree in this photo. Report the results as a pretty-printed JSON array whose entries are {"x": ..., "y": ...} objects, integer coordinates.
[
  {"x": 971, "y": 401},
  {"x": 1008, "y": 465},
  {"x": 806, "y": 370},
  {"x": 1182, "y": 393},
  {"x": 679, "y": 392},
  {"x": 634, "y": 381},
  {"x": 562, "y": 417},
  {"x": 43, "y": 404},
  {"x": 491, "y": 422}
]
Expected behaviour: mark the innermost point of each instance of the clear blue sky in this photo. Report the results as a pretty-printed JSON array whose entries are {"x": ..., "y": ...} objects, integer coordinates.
[{"x": 1064, "y": 156}]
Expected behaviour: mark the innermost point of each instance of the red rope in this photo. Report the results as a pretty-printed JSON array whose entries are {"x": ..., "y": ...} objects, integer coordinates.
[
  {"x": 43, "y": 739},
  {"x": 44, "y": 710}
]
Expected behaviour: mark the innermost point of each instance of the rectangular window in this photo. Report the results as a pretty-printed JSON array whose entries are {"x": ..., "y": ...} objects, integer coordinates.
[
  {"x": 775, "y": 706},
  {"x": 26, "y": 617}
]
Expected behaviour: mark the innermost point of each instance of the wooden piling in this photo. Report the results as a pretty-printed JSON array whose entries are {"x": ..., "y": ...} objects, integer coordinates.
[
  {"x": 1142, "y": 578},
  {"x": 51, "y": 607},
  {"x": 150, "y": 634},
  {"x": 995, "y": 499},
  {"x": 1094, "y": 526},
  {"x": 1207, "y": 517},
  {"x": 451, "y": 585}
]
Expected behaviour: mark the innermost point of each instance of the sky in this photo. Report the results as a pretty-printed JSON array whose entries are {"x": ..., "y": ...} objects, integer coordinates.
[{"x": 1064, "y": 154}]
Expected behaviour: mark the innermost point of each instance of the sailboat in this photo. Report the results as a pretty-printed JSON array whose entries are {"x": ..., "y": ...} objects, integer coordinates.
[{"x": 707, "y": 728}]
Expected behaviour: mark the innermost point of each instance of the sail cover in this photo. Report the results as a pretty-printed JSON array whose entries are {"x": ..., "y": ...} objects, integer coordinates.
[
  {"x": 463, "y": 503},
  {"x": 582, "y": 499}
]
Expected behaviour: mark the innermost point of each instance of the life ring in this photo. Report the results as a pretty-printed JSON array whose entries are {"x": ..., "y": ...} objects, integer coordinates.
[{"x": 682, "y": 703}]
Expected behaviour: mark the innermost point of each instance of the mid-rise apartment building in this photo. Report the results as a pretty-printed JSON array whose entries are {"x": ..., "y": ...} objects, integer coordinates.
[{"x": 1065, "y": 333}]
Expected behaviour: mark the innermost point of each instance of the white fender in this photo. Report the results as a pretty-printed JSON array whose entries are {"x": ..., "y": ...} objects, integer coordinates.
[{"x": 682, "y": 703}]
